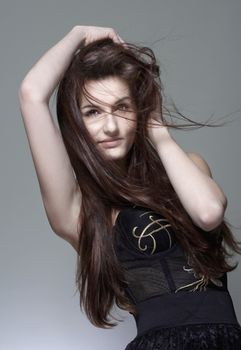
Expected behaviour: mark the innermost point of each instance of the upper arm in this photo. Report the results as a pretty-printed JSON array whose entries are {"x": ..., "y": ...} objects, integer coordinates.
[
  {"x": 60, "y": 194},
  {"x": 70, "y": 231},
  {"x": 203, "y": 165}
]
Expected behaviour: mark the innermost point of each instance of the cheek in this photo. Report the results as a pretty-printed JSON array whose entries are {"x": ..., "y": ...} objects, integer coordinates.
[{"x": 92, "y": 128}]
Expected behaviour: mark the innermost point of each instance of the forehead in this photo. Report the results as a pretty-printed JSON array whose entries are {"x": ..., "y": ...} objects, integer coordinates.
[{"x": 107, "y": 90}]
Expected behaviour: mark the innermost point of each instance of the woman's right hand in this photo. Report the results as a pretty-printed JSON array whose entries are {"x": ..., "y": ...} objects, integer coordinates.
[
  {"x": 40, "y": 82},
  {"x": 92, "y": 33}
]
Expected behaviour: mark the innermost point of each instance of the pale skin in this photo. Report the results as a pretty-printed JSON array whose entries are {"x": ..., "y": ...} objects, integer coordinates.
[
  {"x": 113, "y": 117},
  {"x": 60, "y": 194},
  {"x": 188, "y": 172}
]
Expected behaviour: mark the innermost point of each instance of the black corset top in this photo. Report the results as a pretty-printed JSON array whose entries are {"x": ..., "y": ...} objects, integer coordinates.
[{"x": 160, "y": 279}]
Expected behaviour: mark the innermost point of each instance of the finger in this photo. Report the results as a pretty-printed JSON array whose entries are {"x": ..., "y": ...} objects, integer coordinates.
[
  {"x": 117, "y": 38},
  {"x": 121, "y": 40}
]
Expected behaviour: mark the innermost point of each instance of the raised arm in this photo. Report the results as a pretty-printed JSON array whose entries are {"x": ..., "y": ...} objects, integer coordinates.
[
  {"x": 60, "y": 194},
  {"x": 59, "y": 189}
]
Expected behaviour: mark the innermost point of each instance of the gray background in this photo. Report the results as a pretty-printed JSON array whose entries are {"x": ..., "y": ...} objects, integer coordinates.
[{"x": 200, "y": 60}]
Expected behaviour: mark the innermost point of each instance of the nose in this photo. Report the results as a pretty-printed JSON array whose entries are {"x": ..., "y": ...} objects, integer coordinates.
[{"x": 110, "y": 123}]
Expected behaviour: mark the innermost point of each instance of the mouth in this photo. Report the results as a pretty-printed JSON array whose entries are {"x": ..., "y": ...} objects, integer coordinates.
[{"x": 111, "y": 143}]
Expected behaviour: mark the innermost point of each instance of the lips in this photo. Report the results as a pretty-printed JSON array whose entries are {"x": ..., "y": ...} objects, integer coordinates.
[
  {"x": 110, "y": 140},
  {"x": 111, "y": 143}
]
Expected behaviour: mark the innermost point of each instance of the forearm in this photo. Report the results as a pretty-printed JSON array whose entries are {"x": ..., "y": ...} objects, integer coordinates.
[
  {"x": 200, "y": 195},
  {"x": 44, "y": 76}
]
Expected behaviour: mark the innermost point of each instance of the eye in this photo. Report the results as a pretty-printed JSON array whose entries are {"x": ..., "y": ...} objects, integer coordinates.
[
  {"x": 90, "y": 112},
  {"x": 123, "y": 105}
]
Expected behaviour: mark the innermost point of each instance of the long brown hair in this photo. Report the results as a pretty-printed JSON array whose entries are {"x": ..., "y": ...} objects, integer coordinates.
[{"x": 104, "y": 186}]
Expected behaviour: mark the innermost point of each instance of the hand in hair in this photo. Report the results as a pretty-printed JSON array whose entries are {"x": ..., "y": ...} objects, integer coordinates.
[
  {"x": 157, "y": 132},
  {"x": 92, "y": 33}
]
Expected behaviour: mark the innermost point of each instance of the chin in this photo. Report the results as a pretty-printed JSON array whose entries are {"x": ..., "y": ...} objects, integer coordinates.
[{"x": 115, "y": 155}]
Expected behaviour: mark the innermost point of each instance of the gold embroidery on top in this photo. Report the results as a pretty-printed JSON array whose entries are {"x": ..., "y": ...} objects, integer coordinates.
[
  {"x": 149, "y": 234},
  {"x": 201, "y": 283}
]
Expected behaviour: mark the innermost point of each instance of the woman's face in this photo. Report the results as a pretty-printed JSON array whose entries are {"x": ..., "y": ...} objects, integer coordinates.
[{"x": 112, "y": 118}]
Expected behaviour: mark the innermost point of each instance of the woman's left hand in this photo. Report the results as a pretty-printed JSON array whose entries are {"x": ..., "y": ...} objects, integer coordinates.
[{"x": 157, "y": 132}]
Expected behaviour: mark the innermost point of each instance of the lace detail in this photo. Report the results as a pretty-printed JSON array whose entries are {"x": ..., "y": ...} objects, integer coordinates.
[{"x": 190, "y": 337}]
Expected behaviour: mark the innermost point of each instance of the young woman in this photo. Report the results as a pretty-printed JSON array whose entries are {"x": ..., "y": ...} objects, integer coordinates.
[{"x": 145, "y": 217}]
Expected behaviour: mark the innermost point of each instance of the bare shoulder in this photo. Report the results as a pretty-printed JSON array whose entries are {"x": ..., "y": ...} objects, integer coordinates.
[{"x": 200, "y": 162}]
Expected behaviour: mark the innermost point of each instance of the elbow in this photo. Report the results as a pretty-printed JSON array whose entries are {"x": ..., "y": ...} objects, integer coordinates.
[
  {"x": 28, "y": 93},
  {"x": 25, "y": 91},
  {"x": 213, "y": 217}
]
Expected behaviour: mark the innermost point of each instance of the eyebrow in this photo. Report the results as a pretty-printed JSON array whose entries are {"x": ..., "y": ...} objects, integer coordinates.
[{"x": 117, "y": 101}]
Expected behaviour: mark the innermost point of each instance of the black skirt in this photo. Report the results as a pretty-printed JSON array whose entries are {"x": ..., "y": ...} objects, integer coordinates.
[{"x": 190, "y": 337}]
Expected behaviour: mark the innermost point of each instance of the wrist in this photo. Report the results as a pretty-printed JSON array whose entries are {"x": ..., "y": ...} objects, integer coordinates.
[
  {"x": 165, "y": 138},
  {"x": 166, "y": 148}
]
